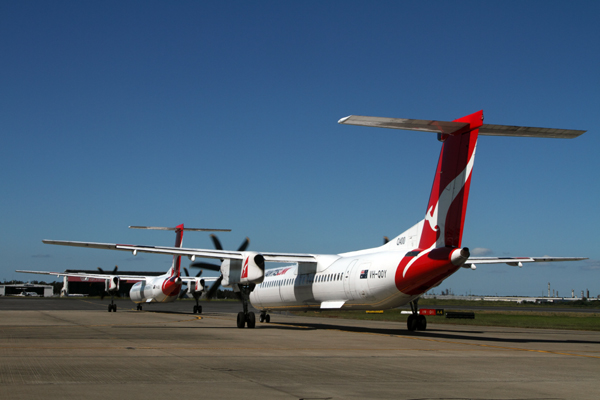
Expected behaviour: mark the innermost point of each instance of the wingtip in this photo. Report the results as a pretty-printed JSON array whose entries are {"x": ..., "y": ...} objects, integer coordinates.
[{"x": 342, "y": 120}]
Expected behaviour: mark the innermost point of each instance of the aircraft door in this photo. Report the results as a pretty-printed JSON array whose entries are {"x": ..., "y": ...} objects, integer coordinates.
[{"x": 350, "y": 279}]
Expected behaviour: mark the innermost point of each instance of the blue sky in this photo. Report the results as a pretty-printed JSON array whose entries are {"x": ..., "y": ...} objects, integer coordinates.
[{"x": 224, "y": 114}]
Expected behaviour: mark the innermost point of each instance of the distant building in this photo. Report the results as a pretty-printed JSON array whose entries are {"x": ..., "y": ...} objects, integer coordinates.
[
  {"x": 95, "y": 287},
  {"x": 26, "y": 289}
]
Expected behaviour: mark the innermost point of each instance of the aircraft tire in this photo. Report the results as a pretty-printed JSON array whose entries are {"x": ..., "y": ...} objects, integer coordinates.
[
  {"x": 261, "y": 318},
  {"x": 241, "y": 320},
  {"x": 421, "y": 323},
  {"x": 411, "y": 323},
  {"x": 267, "y": 318},
  {"x": 115, "y": 308},
  {"x": 199, "y": 309},
  {"x": 109, "y": 307},
  {"x": 251, "y": 319}
]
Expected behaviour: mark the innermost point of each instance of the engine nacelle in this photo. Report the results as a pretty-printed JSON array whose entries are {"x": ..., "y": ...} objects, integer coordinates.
[
  {"x": 250, "y": 269},
  {"x": 197, "y": 285},
  {"x": 112, "y": 284}
]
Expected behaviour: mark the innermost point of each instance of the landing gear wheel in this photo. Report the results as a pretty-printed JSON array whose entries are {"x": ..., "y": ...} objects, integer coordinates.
[
  {"x": 139, "y": 307},
  {"x": 109, "y": 307},
  {"x": 241, "y": 320},
  {"x": 251, "y": 320},
  {"x": 268, "y": 318},
  {"x": 114, "y": 307},
  {"x": 261, "y": 318},
  {"x": 421, "y": 323},
  {"x": 195, "y": 309},
  {"x": 411, "y": 323}
]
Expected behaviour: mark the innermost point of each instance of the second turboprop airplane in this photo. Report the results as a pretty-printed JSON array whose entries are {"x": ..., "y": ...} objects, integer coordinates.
[
  {"x": 384, "y": 277},
  {"x": 149, "y": 289}
]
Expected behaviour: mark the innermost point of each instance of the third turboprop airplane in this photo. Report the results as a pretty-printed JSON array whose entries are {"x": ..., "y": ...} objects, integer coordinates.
[{"x": 384, "y": 277}]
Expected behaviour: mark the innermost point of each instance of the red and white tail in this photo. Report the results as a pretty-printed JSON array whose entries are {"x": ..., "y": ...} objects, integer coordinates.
[
  {"x": 176, "y": 267},
  {"x": 447, "y": 205},
  {"x": 445, "y": 216}
]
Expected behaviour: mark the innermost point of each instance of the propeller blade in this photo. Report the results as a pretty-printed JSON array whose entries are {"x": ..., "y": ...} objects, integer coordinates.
[
  {"x": 212, "y": 291},
  {"x": 244, "y": 245},
  {"x": 204, "y": 265},
  {"x": 115, "y": 270},
  {"x": 100, "y": 270},
  {"x": 187, "y": 273},
  {"x": 216, "y": 242},
  {"x": 199, "y": 273},
  {"x": 385, "y": 239},
  {"x": 183, "y": 293}
]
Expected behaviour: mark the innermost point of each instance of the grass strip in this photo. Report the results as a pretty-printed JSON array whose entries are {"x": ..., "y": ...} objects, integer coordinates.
[{"x": 514, "y": 319}]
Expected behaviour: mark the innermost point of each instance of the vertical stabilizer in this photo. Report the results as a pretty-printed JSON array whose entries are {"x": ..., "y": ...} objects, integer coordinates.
[
  {"x": 176, "y": 268},
  {"x": 447, "y": 205}
]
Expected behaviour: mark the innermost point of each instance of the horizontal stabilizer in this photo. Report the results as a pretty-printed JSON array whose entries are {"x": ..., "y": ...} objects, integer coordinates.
[
  {"x": 162, "y": 228},
  {"x": 449, "y": 127},
  {"x": 516, "y": 260}
]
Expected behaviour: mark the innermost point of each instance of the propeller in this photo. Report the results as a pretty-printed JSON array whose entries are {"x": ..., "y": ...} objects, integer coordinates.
[
  {"x": 212, "y": 291},
  {"x": 187, "y": 273},
  {"x": 218, "y": 246},
  {"x": 114, "y": 271}
]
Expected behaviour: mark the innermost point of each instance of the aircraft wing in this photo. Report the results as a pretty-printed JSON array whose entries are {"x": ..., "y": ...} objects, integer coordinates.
[
  {"x": 515, "y": 261},
  {"x": 191, "y": 253},
  {"x": 85, "y": 275}
]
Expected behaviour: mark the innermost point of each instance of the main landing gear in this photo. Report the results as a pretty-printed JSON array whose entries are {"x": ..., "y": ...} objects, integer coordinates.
[
  {"x": 415, "y": 320},
  {"x": 139, "y": 307},
  {"x": 264, "y": 317},
  {"x": 245, "y": 318}
]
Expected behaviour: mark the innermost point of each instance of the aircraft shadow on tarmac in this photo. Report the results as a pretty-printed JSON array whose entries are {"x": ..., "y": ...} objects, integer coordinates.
[
  {"x": 430, "y": 333},
  {"x": 448, "y": 334}
]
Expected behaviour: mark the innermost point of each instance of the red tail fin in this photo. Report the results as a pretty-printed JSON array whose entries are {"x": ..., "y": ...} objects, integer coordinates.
[
  {"x": 177, "y": 259},
  {"x": 447, "y": 206}
]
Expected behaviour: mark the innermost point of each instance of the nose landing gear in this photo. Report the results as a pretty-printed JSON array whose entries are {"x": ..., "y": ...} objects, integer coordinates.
[{"x": 264, "y": 317}]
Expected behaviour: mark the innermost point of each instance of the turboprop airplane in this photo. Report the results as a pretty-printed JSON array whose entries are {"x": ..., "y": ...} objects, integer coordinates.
[
  {"x": 150, "y": 289},
  {"x": 389, "y": 276}
]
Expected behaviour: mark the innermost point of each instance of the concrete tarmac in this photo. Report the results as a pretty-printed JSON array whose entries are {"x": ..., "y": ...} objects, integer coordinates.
[{"x": 52, "y": 352}]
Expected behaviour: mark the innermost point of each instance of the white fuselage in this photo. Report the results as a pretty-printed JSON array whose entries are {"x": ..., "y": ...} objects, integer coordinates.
[
  {"x": 151, "y": 291},
  {"x": 365, "y": 281}
]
